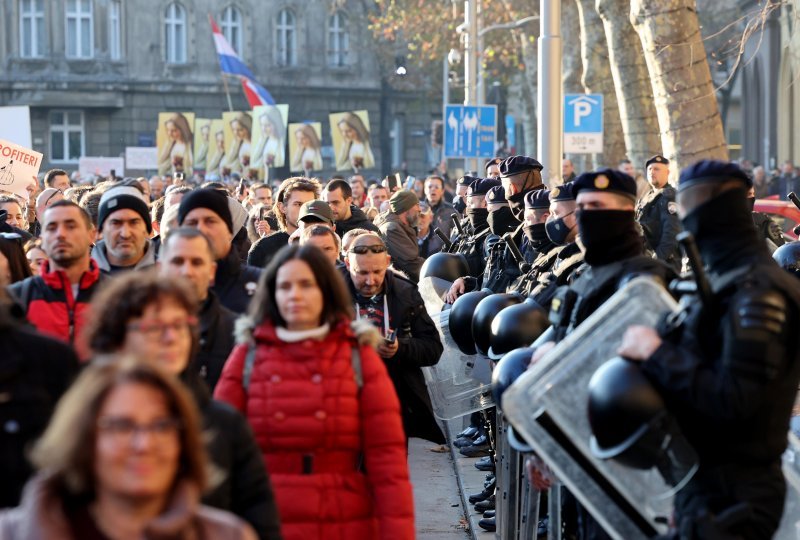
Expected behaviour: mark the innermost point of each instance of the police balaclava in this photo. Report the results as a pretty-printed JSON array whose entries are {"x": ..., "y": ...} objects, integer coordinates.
[
  {"x": 478, "y": 218},
  {"x": 500, "y": 220},
  {"x": 460, "y": 205},
  {"x": 722, "y": 226},
  {"x": 537, "y": 234},
  {"x": 608, "y": 235}
]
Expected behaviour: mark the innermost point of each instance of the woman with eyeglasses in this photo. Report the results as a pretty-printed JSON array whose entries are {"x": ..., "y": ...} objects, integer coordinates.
[
  {"x": 153, "y": 318},
  {"x": 122, "y": 458},
  {"x": 322, "y": 406}
]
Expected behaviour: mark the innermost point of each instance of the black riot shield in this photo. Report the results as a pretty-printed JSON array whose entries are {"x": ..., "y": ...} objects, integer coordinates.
[{"x": 548, "y": 407}]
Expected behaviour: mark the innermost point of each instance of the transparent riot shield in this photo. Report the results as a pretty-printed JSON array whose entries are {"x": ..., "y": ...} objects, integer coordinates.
[
  {"x": 459, "y": 384},
  {"x": 790, "y": 523},
  {"x": 548, "y": 407}
]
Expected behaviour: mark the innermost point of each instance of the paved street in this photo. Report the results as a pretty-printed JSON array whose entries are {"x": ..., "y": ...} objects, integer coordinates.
[{"x": 437, "y": 503}]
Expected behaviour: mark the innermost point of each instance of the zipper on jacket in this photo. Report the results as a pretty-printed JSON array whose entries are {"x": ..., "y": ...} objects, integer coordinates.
[{"x": 70, "y": 306}]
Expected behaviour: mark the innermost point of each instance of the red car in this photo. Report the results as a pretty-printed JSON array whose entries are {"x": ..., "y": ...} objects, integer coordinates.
[{"x": 785, "y": 209}]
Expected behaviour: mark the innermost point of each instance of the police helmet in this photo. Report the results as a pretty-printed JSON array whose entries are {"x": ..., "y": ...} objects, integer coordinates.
[
  {"x": 788, "y": 257},
  {"x": 511, "y": 365},
  {"x": 485, "y": 313},
  {"x": 446, "y": 266},
  {"x": 631, "y": 425},
  {"x": 516, "y": 326},
  {"x": 460, "y": 321}
]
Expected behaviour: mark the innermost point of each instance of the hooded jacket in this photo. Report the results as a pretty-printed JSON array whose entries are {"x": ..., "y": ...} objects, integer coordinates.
[
  {"x": 357, "y": 220},
  {"x": 402, "y": 243},
  {"x": 316, "y": 428}
]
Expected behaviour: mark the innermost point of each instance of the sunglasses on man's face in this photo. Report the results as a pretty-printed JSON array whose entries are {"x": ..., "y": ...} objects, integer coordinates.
[{"x": 362, "y": 250}]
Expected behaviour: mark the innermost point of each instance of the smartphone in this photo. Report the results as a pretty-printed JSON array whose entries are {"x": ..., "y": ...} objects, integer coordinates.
[
  {"x": 261, "y": 213},
  {"x": 390, "y": 337},
  {"x": 178, "y": 177}
]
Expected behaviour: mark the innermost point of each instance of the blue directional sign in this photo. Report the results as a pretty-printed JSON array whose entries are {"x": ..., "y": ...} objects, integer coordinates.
[
  {"x": 470, "y": 131},
  {"x": 583, "y": 123}
]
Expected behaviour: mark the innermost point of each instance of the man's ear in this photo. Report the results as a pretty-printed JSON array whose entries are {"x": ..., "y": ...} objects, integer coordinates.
[{"x": 347, "y": 262}]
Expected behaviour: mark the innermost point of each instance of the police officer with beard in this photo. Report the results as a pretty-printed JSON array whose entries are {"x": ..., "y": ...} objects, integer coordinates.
[
  {"x": 657, "y": 213},
  {"x": 729, "y": 372}
]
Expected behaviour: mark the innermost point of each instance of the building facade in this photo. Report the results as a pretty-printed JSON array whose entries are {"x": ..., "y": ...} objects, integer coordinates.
[{"x": 96, "y": 73}]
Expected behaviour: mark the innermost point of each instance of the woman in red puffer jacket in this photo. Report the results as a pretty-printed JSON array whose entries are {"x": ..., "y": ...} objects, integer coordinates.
[{"x": 323, "y": 409}]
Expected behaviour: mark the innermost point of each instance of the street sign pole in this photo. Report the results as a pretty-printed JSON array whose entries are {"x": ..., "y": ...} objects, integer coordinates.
[
  {"x": 470, "y": 60},
  {"x": 551, "y": 116}
]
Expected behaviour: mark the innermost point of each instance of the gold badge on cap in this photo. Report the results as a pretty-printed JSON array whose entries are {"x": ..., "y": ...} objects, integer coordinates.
[
  {"x": 554, "y": 192},
  {"x": 601, "y": 182}
]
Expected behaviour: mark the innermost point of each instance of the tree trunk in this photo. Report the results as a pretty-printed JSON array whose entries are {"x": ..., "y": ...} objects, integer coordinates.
[
  {"x": 634, "y": 92},
  {"x": 691, "y": 128},
  {"x": 572, "y": 68},
  {"x": 597, "y": 79}
]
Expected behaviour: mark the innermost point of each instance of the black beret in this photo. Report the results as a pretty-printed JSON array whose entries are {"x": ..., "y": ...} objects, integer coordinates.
[
  {"x": 493, "y": 161},
  {"x": 537, "y": 199},
  {"x": 482, "y": 186},
  {"x": 467, "y": 179},
  {"x": 605, "y": 180},
  {"x": 210, "y": 198},
  {"x": 564, "y": 192},
  {"x": 496, "y": 195},
  {"x": 658, "y": 158},
  {"x": 518, "y": 164},
  {"x": 709, "y": 170}
]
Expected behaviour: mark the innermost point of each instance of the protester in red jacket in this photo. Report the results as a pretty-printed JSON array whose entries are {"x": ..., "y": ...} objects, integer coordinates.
[
  {"x": 56, "y": 301},
  {"x": 321, "y": 405}
]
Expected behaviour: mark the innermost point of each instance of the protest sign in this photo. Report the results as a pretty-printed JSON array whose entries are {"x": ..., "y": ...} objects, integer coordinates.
[{"x": 18, "y": 167}]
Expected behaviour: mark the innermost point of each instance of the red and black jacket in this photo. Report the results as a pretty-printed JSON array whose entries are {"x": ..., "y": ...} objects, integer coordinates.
[{"x": 49, "y": 303}]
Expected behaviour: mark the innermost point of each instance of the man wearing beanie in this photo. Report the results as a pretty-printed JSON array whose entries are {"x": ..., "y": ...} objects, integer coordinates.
[
  {"x": 123, "y": 220},
  {"x": 209, "y": 211},
  {"x": 398, "y": 227},
  {"x": 729, "y": 373}
]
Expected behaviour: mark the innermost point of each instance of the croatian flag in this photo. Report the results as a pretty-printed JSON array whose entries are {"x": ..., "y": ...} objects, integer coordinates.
[{"x": 231, "y": 64}]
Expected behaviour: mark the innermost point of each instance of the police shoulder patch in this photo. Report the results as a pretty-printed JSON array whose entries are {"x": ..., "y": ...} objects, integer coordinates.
[{"x": 672, "y": 208}]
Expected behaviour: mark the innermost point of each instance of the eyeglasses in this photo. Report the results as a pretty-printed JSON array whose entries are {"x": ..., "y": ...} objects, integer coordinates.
[
  {"x": 123, "y": 430},
  {"x": 158, "y": 329},
  {"x": 363, "y": 250}
]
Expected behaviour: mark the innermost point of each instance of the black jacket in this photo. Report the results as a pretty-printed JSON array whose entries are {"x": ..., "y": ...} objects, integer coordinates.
[
  {"x": 244, "y": 489},
  {"x": 34, "y": 372},
  {"x": 659, "y": 218},
  {"x": 419, "y": 345},
  {"x": 216, "y": 339},
  {"x": 261, "y": 252},
  {"x": 235, "y": 283},
  {"x": 358, "y": 220}
]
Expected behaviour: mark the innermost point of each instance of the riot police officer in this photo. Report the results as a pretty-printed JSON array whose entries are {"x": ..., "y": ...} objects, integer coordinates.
[
  {"x": 769, "y": 231},
  {"x": 474, "y": 246},
  {"x": 657, "y": 213},
  {"x": 542, "y": 251},
  {"x": 730, "y": 371}
]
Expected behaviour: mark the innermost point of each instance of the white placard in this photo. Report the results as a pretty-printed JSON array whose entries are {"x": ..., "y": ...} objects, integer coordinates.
[
  {"x": 141, "y": 158},
  {"x": 583, "y": 143},
  {"x": 15, "y": 125},
  {"x": 18, "y": 167},
  {"x": 101, "y": 166}
]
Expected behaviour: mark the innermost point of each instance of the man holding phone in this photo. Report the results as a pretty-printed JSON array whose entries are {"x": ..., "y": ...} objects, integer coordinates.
[{"x": 387, "y": 300}]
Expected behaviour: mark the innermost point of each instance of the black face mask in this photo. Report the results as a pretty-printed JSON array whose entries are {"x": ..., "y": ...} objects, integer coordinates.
[
  {"x": 751, "y": 202},
  {"x": 517, "y": 205},
  {"x": 502, "y": 221},
  {"x": 537, "y": 236},
  {"x": 477, "y": 218},
  {"x": 724, "y": 232},
  {"x": 460, "y": 205},
  {"x": 557, "y": 230},
  {"x": 608, "y": 235}
]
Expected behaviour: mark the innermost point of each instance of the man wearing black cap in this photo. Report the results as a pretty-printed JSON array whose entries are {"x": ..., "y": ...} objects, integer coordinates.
[
  {"x": 492, "y": 167},
  {"x": 398, "y": 227},
  {"x": 729, "y": 372},
  {"x": 657, "y": 213},
  {"x": 459, "y": 199},
  {"x": 124, "y": 222},
  {"x": 208, "y": 211}
]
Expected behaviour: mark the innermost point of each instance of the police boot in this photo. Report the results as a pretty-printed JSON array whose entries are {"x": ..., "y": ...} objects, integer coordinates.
[{"x": 488, "y": 524}]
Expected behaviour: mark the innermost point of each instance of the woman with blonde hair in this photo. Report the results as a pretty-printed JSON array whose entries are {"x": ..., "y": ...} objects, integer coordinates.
[
  {"x": 237, "y": 157},
  {"x": 269, "y": 150},
  {"x": 324, "y": 411},
  {"x": 355, "y": 151},
  {"x": 176, "y": 154},
  {"x": 307, "y": 156},
  {"x": 123, "y": 457}
]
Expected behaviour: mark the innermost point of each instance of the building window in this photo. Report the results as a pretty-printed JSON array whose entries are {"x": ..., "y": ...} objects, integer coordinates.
[
  {"x": 80, "y": 29},
  {"x": 66, "y": 136},
  {"x": 175, "y": 34},
  {"x": 286, "y": 49},
  {"x": 232, "y": 28},
  {"x": 115, "y": 29},
  {"x": 31, "y": 28},
  {"x": 338, "y": 40}
]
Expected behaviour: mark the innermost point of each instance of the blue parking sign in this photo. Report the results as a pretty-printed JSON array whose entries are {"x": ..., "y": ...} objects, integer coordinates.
[
  {"x": 470, "y": 131},
  {"x": 583, "y": 123}
]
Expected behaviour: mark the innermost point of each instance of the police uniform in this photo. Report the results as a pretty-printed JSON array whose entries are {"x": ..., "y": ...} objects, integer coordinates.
[
  {"x": 474, "y": 246},
  {"x": 769, "y": 231},
  {"x": 729, "y": 372},
  {"x": 657, "y": 213},
  {"x": 501, "y": 267}
]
